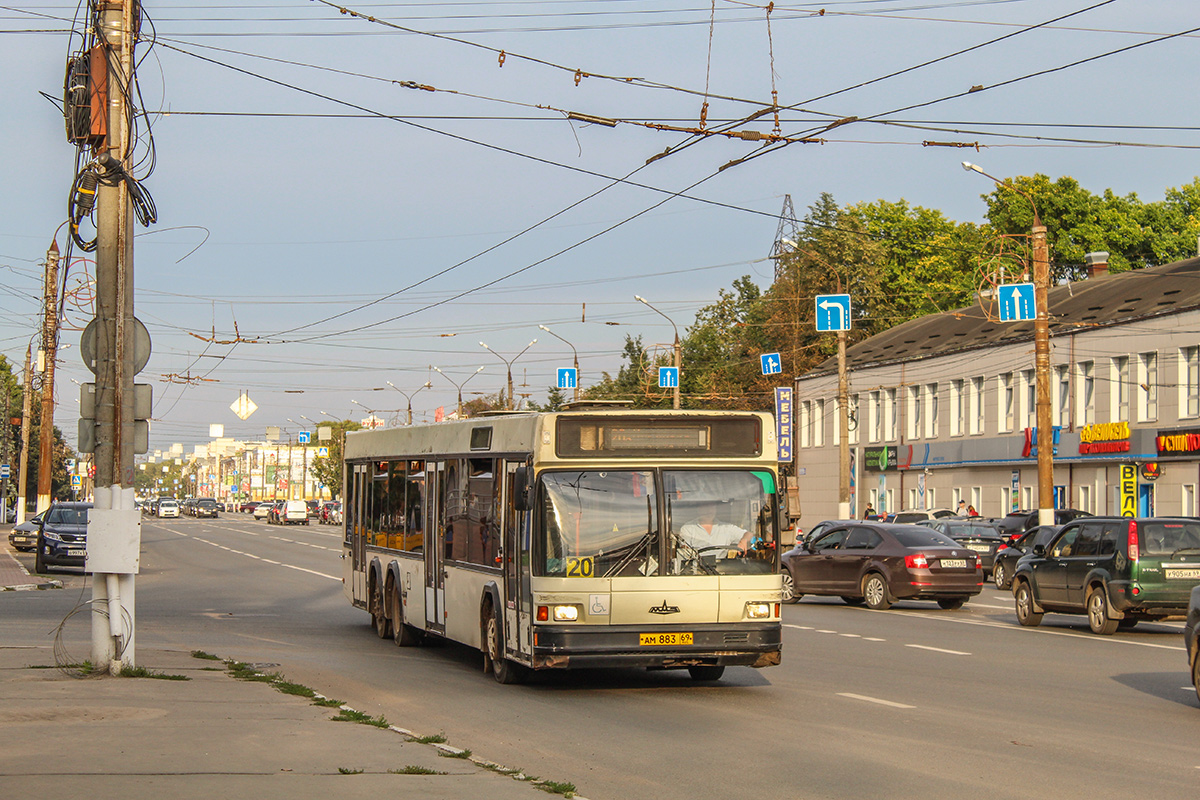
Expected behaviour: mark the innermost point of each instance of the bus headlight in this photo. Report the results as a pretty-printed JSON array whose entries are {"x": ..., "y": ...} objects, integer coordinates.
[
  {"x": 566, "y": 613},
  {"x": 758, "y": 610}
]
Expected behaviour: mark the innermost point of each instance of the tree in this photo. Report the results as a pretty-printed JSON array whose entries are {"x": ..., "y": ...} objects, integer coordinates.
[
  {"x": 328, "y": 470},
  {"x": 554, "y": 400}
]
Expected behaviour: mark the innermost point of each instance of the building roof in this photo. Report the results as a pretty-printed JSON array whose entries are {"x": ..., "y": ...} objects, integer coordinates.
[{"x": 1113, "y": 299}]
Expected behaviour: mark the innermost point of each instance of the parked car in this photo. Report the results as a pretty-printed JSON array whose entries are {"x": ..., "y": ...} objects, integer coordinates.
[
  {"x": 911, "y": 515},
  {"x": 819, "y": 528},
  {"x": 1017, "y": 522},
  {"x": 880, "y": 563},
  {"x": 263, "y": 510},
  {"x": 62, "y": 536},
  {"x": 326, "y": 510},
  {"x": 204, "y": 507},
  {"x": 1116, "y": 570},
  {"x": 1007, "y": 557},
  {"x": 292, "y": 512},
  {"x": 167, "y": 508},
  {"x": 982, "y": 537},
  {"x": 24, "y": 535},
  {"x": 314, "y": 508},
  {"x": 1191, "y": 637}
]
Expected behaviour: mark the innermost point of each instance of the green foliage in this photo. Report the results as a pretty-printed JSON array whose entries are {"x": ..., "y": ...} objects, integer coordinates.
[{"x": 10, "y": 438}]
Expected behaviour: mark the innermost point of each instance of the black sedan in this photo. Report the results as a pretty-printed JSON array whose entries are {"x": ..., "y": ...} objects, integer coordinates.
[
  {"x": 1006, "y": 560},
  {"x": 62, "y": 537},
  {"x": 878, "y": 564},
  {"x": 977, "y": 536}
]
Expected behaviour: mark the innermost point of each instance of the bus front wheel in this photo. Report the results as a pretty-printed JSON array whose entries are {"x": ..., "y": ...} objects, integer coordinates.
[{"x": 503, "y": 670}]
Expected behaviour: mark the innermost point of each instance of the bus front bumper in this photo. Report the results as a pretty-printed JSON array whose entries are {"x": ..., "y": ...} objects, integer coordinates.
[{"x": 566, "y": 647}]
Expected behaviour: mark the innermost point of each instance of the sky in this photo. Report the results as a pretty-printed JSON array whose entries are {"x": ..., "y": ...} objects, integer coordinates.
[{"x": 361, "y": 200}]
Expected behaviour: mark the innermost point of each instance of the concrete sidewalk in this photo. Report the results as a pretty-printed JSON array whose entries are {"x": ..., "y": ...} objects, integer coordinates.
[
  {"x": 211, "y": 736},
  {"x": 13, "y": 576}
]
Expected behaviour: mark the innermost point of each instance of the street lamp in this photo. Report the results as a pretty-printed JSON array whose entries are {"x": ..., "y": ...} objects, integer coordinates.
[
  {"x": 508, "y": 362},
  {"x": 459, "y": 385},
  {"x": 573, "y": 351},
  {"x": 1041, "y": 353},
  {"x": 409, "y": 395},
  {"x": 678, "y": 369}
]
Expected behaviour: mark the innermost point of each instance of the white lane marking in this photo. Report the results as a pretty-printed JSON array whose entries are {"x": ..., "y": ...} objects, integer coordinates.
[
  {"x": 867, "y": 699},
  {"x": 981, "y": 605},
  {"x": 1021, "y": 629},
  {"x": 819, "y": 630},
  {"x": 798, "y": 627},
  {"x": 873, "y": 639},
  {"x": 850, "y": 635},
  {"x": 258, "y": 558},
  {"x": 307, "y": 544},
  {"x": 938, "y": 650}
]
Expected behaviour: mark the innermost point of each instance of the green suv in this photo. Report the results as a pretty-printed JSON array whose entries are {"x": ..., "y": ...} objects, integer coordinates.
[{"x": 1117, "y": 570}]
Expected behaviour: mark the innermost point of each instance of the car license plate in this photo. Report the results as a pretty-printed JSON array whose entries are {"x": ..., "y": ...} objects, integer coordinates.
[
  {"x": 954, "y": 563},
  {"x": 661, "y": 639},
  {"x": 76, "y": 551},
  {"x": 1177, "y": 574},
  {"x": 979, "y": 548}
]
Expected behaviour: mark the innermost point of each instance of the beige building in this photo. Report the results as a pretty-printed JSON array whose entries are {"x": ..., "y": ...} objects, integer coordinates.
[{"x": 944, "y": 407}]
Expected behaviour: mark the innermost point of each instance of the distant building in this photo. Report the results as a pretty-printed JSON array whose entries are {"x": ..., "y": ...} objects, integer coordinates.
[{"x": 945, "y": 405}]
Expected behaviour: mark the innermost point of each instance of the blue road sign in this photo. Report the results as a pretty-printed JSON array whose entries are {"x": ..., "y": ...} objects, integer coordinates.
[
  {"x": 3, "y": 470},
  {"x": 304, "y": 437},
  {"x": 1017, "y": 302},
  {"x": 833, "y": 312},
  {"x": 772, "y": 364},
  {"x": 566, "y": 377},
  {"x": 668, "y": 377}
]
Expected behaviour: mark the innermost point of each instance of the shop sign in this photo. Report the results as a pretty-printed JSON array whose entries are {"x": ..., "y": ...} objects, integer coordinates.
[
  {"x": 1178, "y": 443},
  {"x": 783, "y": 422},
  {"x": 1030, "y": 449},
  {"x": 1128, "y": 490},
  {"x": 1150, "y": 471},
  {"x": 879, "y": 459},
  {"x": 1104, "y": 437}
]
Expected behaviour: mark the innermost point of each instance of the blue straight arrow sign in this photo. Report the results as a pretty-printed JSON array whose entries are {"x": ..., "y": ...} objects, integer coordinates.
[
  {"x": 1017, "y": 302},
  {"x": 772, "y": 364}
]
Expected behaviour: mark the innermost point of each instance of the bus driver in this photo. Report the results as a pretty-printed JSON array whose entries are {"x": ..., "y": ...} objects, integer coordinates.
[{"x": 708, "y": 531}]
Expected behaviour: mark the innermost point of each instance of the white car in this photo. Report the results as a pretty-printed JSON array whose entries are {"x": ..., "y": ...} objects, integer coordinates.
[
  {"x": 263, "y": 510},
  {"x": 294, "y": 512},
  {"x": 168, "y": 508}
]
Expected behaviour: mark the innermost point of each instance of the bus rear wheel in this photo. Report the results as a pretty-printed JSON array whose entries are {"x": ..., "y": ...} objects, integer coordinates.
[
  {"x": 383, "y": 628},
  {"x": 405, "y": 635}
]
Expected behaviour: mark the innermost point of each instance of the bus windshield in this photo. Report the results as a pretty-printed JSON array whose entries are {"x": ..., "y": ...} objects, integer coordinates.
[{"x": 596, "y": 523}]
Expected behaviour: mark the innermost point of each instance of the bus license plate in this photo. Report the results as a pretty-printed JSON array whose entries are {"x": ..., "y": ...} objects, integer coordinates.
[
  {"x": 954, "y": 563},
  {"x": 1182, "y": 573},
  {"x": 664, "y": 639}
]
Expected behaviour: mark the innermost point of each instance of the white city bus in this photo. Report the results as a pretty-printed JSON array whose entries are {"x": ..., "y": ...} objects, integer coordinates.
[{"x": 587, "y": 537}]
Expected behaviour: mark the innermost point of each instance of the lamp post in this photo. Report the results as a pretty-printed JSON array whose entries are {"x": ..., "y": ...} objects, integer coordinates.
[
  {"x": 1041, "y": 353},
  {"x": 409, "y": 395},
  {"x": 508, "y": 362},
  {"x": 678, "y": 370},
  {"x": 459, "y": 385},
  {"x": 574, "y": 352}
]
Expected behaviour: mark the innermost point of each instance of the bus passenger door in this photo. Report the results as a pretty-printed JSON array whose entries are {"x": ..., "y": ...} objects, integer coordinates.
[
  {"x": 435, "y": 572},
  {"x": 353, "y": 519},
  {"x": 517, "y": 600}
]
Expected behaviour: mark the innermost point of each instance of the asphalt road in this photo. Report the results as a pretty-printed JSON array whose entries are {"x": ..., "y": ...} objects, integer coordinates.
[{"x": 910, "y": 702}]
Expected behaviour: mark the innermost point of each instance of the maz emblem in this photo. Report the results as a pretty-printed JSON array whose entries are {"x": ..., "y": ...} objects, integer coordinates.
[{"x": 664, "y": 609}]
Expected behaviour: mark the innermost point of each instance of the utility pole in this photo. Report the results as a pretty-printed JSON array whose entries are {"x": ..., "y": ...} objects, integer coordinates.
[
  {"x": 7, "y": 436},
  {"x": 49, "y": 354},
  {"x": 114, "y": 513},
  {"x": 26, "y": 413},
  {"x": 1041, "y": 364},
  {"x": 844, "y": 510}
]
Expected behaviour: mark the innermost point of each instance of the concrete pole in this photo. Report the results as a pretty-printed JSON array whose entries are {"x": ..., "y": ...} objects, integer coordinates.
[
  {"x": 26, "y": 412},
  {"x": 1041, "y": 361},
  {"x": 50, "y": 351},
  {"x": 113, "y": 593},
  {"x": 844, "y": 510},
  {"x": 678, "y": 372}
]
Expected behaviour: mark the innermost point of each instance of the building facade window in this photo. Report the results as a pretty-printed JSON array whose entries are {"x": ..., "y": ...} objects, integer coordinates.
[
  {"x": 976, "y": 413},
  {"x": 1119, "y": 390},
  {"x": 804, "y": 423},
  {"x": 1147, "y": 387},
  {"x": 818, "y": 423},
  {"x": 1085, "y": 499},
  {"x": 1006, "y": 396},
  {"x": 874, "y": 417},
  {"x": 1188, "y": 500},
  {"x": 1085, "y": 393},
  {"x": 958, "y": 414},
  {"x": 1189, "y": 381},
  {"x": 890, "y": 410},
  {"x": 1062, "y": 396},
  {"x": 912, "y": 405},
  {"x": 1028, "y": 412},
  {"x": 931, "y": 411}
]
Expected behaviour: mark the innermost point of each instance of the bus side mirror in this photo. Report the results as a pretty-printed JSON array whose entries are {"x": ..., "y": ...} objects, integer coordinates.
[{"x": 521, "y": 489}]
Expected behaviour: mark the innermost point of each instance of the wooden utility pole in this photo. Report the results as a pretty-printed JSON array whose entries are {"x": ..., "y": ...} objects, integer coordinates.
[
  {"x": 50, "y": 354},
  {"x": 26, "y": 413},
  {"x": 113, "y": 558}
]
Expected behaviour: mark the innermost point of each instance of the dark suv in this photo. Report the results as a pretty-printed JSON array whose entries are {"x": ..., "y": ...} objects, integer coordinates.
[
  {"x": 1117, "y": 570},
  {"x": 62, "y": 537}
]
